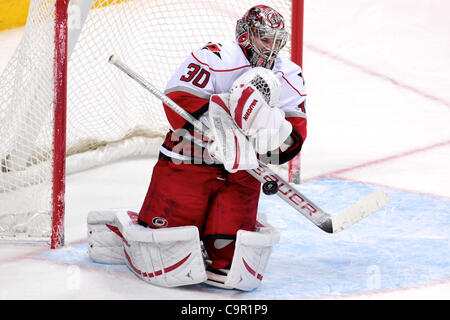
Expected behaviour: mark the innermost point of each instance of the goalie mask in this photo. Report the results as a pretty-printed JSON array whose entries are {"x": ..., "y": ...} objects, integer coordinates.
[{"x": 261, "y": 32}]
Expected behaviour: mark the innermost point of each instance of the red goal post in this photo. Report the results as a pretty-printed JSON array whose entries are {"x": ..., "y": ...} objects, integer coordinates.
[
  {"x": 59, "y": 132},
  {"x": 59, "y": 103},
  {"x": 297, "y": 57}
]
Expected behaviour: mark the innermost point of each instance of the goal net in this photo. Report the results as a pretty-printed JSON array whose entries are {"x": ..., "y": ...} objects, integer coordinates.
[{"x": 48, "y": 131}]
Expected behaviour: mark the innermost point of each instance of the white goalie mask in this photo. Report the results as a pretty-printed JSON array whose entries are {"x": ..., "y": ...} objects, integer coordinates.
[{"x": 261, "y": 32}]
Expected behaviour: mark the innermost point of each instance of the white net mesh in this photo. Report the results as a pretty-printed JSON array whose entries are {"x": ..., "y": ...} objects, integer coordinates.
[{"x": 108, "y": 116}]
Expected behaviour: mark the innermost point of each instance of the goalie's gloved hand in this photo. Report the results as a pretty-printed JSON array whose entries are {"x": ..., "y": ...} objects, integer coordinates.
[
  {"x": 252, "y": 102},
  {"x": 228, "y": 145}
]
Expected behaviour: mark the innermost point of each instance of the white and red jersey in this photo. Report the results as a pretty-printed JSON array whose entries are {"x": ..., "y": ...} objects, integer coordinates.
[{"x": 213, "y": 70}]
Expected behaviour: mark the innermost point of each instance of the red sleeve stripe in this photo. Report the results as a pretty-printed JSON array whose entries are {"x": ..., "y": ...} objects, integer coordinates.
[
  {"x": 217, "y": 100},
  {"x": 216, "y": 70},
  {"x": 302, "y": 95},
  {"x": 299, "y": 124},
  {"x": 188, "y": 102}
]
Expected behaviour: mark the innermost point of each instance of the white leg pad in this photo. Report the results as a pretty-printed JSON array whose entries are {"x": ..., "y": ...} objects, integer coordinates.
[
  {"x": 166, "y": 257},
  {"x": 104, "y": 238},
  {"x": 253, "y": 250}
]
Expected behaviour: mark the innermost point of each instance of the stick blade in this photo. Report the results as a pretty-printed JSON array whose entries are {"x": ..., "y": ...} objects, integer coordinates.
[{"x": 359, "y": 210}]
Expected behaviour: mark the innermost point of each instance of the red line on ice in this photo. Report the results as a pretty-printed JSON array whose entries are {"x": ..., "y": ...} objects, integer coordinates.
[
  {"x": 377, "y": 74},
  {"x": 385, "y": 159}
]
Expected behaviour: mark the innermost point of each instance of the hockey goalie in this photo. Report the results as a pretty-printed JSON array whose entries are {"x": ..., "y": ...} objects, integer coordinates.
[{"x": 199, "y": 220}]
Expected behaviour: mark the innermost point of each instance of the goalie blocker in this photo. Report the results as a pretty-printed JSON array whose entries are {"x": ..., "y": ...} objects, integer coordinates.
[{"x": 171, "y": 257}]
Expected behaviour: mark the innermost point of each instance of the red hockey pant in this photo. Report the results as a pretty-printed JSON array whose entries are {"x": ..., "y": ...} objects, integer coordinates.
[{"x": 217, "y": 202}]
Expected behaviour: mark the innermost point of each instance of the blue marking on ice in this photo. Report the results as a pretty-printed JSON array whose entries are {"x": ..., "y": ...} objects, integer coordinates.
[
  {"x": 77, "y": 254},
  {"x": 404, "y": 244}
]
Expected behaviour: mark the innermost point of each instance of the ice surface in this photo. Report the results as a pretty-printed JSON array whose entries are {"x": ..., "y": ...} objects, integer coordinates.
[{"x": 378, "y": 80}]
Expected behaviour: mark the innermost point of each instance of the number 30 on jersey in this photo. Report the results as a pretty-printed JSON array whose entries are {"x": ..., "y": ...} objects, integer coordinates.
[{"x": 197, "y": 75}]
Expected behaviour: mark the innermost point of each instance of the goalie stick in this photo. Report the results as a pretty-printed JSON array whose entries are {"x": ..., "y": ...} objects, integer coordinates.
[{"x": 330, "y": 223}]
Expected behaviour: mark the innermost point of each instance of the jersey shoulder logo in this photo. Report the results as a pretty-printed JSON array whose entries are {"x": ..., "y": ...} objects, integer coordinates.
[{"x": 214, "y": 48}]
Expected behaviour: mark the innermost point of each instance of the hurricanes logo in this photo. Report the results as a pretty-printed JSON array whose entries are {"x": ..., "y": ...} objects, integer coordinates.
[
  {"x": 214, "y": 48},
  {"x": 159, "y": 222},
  {"x": 276, "y": 20}
]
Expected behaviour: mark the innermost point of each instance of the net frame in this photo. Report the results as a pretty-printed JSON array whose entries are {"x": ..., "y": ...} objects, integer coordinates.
[{"x": 62, "y": 147}]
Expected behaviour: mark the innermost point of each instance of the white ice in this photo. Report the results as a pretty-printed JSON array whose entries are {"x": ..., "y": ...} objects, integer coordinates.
[{"x": 378, "y": 81}]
